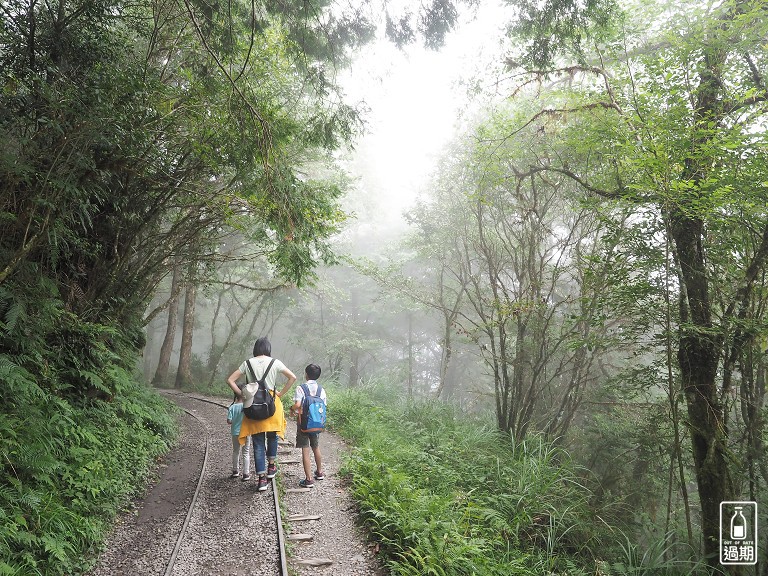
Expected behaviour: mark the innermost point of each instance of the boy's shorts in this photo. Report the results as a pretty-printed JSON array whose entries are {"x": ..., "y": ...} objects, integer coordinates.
[{"x": 304, "y": 440}]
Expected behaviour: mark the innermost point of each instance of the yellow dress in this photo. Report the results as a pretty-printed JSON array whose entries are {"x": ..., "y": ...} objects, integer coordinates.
[{"x": 275, "y": 423}]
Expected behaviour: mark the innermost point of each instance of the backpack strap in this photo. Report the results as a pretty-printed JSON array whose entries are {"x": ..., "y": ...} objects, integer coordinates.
[
  {"x": 260, "y": 381},
  {"x": 308, "y": 394},
  {"x": 263, "y": 381}
]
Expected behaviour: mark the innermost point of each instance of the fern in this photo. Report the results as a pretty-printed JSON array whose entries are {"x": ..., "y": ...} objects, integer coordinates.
[
  {"x": 15, "y": 315},
  {"x": 63, "y": 477},
  {"x": 20, "y": 387},
  {"x": 93, "y": 378}
]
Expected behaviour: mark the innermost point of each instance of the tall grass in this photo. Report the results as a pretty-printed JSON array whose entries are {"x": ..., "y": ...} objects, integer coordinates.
[{"x": 447, "y": 495}]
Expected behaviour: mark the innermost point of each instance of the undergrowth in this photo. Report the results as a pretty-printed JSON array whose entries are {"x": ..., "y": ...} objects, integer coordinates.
[
  {"x": 447, "y": 495},
  {"x": 68, "y": 468},
  {"x": 78, "y": 434}
]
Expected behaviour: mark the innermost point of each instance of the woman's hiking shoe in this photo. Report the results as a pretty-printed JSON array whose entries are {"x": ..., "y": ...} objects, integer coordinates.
[
  {"x": 319, "y": 475},
  {"x": 246, "y": 477},
  {"x": 271, "y": 470},
  {"x": 234, "y": 474},
  {"x": 263, "y": 482},
  {"x": 304, "y": 483}
]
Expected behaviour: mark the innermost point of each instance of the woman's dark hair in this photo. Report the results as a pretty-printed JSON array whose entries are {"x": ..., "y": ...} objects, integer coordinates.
[
  {"x": 262, "y": 347},
  {"x": 312, "y": 371}
]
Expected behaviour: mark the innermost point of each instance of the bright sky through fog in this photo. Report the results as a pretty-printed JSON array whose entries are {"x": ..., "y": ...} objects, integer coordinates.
[{"x": 415, "y": 99}]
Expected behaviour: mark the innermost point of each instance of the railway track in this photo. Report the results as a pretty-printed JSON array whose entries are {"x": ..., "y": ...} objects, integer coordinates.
[
  {"x": 185, "y": 526},
  {"x": 195, "y": 520},
  {"x": 282, "y": 561}
]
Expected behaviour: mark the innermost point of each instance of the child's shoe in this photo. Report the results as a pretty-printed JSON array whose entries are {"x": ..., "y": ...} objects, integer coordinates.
[
  {"x": 319, "y": 475},
  {"x": 263, "y": 483},
  {"x": 234, "y": 474}
]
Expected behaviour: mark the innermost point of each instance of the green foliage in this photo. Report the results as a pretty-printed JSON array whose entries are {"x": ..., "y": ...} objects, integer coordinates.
[
  {"x": 77, "y": 434},
  {"x": 67, "y": 355},
  {"x": 665, "y": 116},
  {"x": 657, "y": 560},
  {"x": 447, "y": 495},
  {"x": 532, "y": 262},
  {"x": 561, "y": 27},
  {"x": 133, "y": 139},
  {"x": 67, "y": 469}
]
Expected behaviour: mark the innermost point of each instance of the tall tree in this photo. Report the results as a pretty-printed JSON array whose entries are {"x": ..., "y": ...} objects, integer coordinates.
[
  {"x": 184, "y": 376},
  {"x": 520, "y": 250},
  {"x": 166, "y": 349},
  {"x": 674, "y": 124}
]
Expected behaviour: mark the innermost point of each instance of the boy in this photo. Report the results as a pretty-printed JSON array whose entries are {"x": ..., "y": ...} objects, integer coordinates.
[
  {"x": 303, "y": 440},
  {"x": 235, "y": 420}
]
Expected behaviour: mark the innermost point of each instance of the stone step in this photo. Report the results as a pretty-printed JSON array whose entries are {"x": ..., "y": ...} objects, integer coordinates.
[
  {"x": 303, "y": 517},
  {"x": 301, "y": 537},
  {"x": 313, "y": 562}
]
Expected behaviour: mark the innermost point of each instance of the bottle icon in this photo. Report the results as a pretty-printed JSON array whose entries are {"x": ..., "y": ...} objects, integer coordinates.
[{"x": 738, "y": 525}]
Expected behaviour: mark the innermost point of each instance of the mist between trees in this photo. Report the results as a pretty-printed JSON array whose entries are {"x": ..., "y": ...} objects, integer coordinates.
[{"x": 587, "y": 263}]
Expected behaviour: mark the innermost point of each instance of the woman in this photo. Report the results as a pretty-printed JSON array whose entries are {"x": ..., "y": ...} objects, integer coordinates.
[{"x": 263, "y": 432}]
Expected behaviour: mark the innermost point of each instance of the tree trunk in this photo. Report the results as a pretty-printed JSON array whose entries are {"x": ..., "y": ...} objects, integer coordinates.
[
  {"x": 445, "y": 360},
  {"x": 698, "y": 357},
  {"x": 161, "y": 374},
  {"x": 184, "y": 373},
  {"x": 698, "y": 354},
  {"x": 215, "y": 355},
  {"x": 450, "y": 313},
  {"x": 410, "y": 357},
  {"x": 354, "y": 369}
]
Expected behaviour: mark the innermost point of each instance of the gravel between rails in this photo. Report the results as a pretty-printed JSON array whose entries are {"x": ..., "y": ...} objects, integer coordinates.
[{"x": 230, "y": 530}]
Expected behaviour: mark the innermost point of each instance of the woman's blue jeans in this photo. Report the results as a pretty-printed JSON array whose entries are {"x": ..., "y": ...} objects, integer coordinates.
[{"x": 264, "y": 448}]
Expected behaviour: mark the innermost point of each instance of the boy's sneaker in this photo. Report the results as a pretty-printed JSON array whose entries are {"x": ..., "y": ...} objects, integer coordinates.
[
  {"x": 304, "y": 483},
  {"x": 234, "y": 474},
  {"x": 263, "y": 483},
  {"x": 319, "y": 475},
  {"x": 246, "y": 477},
  {"x": 271, "y": 470}
]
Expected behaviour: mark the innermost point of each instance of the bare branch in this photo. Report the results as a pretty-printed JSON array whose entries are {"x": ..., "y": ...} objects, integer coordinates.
[
  {"x": 612, "y": 194},
  {"x": 253, "y": 288}
]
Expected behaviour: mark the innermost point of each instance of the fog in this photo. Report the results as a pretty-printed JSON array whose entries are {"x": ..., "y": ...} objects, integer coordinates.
[{"x": 416, "y": 100}]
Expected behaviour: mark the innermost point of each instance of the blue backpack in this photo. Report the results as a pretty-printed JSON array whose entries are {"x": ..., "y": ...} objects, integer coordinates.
[{"x": 312, "y": 412}]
